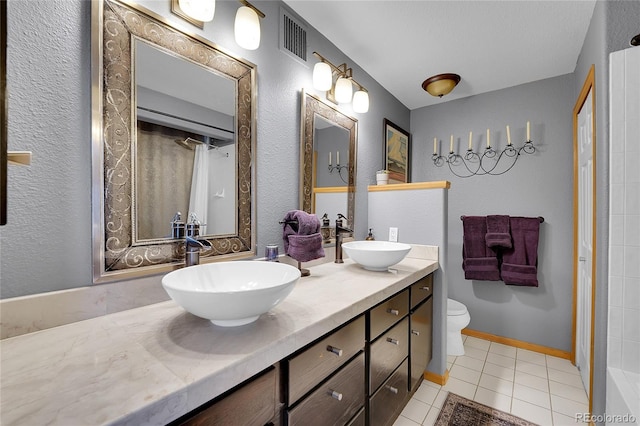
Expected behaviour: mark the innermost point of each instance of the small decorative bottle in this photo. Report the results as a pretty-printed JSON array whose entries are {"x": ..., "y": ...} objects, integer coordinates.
[{"x": 370, "y": 236}]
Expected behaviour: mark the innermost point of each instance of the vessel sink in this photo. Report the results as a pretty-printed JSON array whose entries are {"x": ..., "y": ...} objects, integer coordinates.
[
  {"x": 376, "y": 255},
  {"x": 232, "y": 293}
]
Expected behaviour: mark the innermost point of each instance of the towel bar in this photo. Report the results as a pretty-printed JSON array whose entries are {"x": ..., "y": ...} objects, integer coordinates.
[
  {"x": 288, "y": 222},
  {"x": 540, "y": 218}
]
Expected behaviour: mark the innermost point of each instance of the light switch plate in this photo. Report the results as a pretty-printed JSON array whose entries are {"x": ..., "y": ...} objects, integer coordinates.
[{"x": 393, "y": 234}]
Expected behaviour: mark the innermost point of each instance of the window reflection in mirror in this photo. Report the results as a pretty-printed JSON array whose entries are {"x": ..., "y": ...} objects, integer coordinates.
[{"x": 185, "y": 145}]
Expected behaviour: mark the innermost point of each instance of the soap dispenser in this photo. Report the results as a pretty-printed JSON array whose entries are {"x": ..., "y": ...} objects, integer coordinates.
[
  {"x": 193, "y": 226},
  {"x": 177, "y": 226},
  {"x": 370, "y": 236},
  {"x": 325, "y": 229}
]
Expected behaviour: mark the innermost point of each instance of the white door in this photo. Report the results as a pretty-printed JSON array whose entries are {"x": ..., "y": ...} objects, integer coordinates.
[{"x": 585, "y": 239}]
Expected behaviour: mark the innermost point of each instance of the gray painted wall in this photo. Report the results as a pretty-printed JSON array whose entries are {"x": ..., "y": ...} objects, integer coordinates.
[
  {"x": 46, "y": 244},
  {"x": 538, "y": 185}
]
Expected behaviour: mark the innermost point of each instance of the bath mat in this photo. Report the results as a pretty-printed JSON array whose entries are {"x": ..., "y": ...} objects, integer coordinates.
[{"x": 459, "y": 411}]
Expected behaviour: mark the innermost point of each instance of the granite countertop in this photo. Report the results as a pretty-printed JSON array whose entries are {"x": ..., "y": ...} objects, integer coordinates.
[{"x": 153, "y": 364}]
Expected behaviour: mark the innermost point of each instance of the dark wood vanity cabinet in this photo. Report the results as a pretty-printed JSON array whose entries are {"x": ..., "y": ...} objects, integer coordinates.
[{"x": 359, "y": 374}]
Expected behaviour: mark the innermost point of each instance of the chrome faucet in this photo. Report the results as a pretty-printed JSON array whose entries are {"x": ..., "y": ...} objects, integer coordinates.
[
  {"x": 340, "y": 230},
  {"x": 192, "y": 250}
]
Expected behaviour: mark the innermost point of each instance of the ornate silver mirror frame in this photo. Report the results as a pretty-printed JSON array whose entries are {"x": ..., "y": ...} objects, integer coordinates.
[
  {"x": 115, "y": 26},
  {"x": 313, "y": 107}
]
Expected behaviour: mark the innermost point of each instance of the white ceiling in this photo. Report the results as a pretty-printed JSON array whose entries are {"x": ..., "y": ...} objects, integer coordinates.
[{"x": 490, "y": 44}]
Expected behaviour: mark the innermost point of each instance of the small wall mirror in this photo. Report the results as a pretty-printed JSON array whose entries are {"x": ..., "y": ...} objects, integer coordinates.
[
  {"x": 173, "y": 120},
  {"x": 327, "y": 160}
]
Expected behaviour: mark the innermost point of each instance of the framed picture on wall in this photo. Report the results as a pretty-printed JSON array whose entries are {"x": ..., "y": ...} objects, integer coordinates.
[{"x": 397, "y": 152}]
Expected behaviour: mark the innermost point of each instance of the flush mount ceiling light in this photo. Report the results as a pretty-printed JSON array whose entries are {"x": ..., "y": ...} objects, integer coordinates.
[
  {"x": 342, "y": 90},
  {"x": 196, "y": 12},
  {"x": 441, "y": 84},
  {"x": 247, "y": 26}
]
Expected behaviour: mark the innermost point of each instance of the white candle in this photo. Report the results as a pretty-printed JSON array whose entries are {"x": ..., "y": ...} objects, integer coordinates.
[
  {"x": 435, "y": 146},
  {"x": 488, "y": 139},
  {"x": 508, "y": 136},
  {"x": 470, "y": 139},
  {"x": 528, "y": 131},
  {"x": 337, "y": 158},
  {"x": 451, "y": 144},
  {"x": 329, "y": 158}
]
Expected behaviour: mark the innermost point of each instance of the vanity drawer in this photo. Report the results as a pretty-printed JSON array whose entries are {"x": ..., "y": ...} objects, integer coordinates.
[
  {"x": 314, "y": 364},
  {"x": 388, "y": 402},
  {"x": 360, "y": 419},
  {"x": 388, "y": 313},
  {"x": 387, "y": 353},
  {"x": 252, "y": 404},
  {"x": 421, "y": 290},
  {"x": 336, "y": 401}
]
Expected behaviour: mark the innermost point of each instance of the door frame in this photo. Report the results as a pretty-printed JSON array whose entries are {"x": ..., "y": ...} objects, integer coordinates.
[{"x": 587, "y": 87}]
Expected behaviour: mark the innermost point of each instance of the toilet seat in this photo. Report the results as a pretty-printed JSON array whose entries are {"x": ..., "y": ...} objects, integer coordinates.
[{"x": 455, "y": 308}]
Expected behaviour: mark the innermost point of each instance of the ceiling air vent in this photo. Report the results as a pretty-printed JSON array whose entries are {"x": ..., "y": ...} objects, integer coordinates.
[{"x": 293, "y": 36}]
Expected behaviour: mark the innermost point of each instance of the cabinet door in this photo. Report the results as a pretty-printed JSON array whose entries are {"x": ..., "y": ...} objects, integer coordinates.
[
  {"x": 421, "y": 332},
  {"x": 334, "y": 402},
  {"x": 387, "y": 353}
]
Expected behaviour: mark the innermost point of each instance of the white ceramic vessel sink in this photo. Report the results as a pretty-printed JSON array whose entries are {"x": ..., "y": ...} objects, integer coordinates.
[
  {"x": 376, "y": 255},
  {"x": 231, "y": 293}
]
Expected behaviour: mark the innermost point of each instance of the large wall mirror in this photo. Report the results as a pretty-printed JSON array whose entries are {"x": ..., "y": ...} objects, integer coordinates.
[
  {"x": 328, "y": 150},
  {"x": 173, "y": 135}
]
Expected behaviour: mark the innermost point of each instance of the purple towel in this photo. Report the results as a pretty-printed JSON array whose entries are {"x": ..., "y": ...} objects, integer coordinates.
[
  {"x": 302, "y": 240},
  {"x": 479, "y": 262},
  {"x": 498, "y": 234},
  {"x": 520, "y": 264}
]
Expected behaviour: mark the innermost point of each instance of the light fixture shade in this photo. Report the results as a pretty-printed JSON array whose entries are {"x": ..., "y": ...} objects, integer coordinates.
[
  {"x": 441, "y": 84},
  {"x": 322, "y": 77},
  {"x": 247, "y": 28},
  {"x": 361, "y": 101},
  {"x": 200, "y": 10},
  {"x": 344, "y": 90}
]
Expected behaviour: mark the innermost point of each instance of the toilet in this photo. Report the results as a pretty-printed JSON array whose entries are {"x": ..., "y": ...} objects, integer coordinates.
[{"x": 457, "y": 318}]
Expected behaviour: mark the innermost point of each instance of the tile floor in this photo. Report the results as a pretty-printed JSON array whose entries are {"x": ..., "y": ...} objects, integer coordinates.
[{"x": 540, "y": 388}]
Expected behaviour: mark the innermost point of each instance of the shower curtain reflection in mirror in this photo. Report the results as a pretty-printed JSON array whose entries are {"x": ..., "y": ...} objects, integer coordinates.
[
  {"x": 179, "y": 171},
  {"x": 199, "y": 197}
]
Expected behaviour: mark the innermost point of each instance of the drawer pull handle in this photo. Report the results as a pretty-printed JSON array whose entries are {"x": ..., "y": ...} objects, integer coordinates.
[
  {"x": 334, "y": 350},
  {"x": 393, "y": 311},
  {"x": 424, "y": 288},
  {"x": 392, "y": 389},
  {"x": 336, "y": 395},
  {"x": 415, "y": 332},
  {"x": 392, "y": 340}
]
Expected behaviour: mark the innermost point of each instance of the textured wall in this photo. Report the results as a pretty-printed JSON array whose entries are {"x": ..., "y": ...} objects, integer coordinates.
[
  {"x": 538, "y": 185},
  {"x": 46, "y": 245}
]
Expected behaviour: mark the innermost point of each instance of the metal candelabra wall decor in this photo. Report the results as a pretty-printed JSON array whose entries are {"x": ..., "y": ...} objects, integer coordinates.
[
  {"x": 338, "y": 167},
  {"x": 476, "y": 163}
]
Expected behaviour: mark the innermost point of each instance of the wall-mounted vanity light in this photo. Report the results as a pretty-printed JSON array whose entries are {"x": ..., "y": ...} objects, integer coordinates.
[
  {"x": 247, "y": 23},
  {"x": 196, "y": 12},
  {"x": 342, "y": 90},
  {"x": 247, "y": 26}
]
